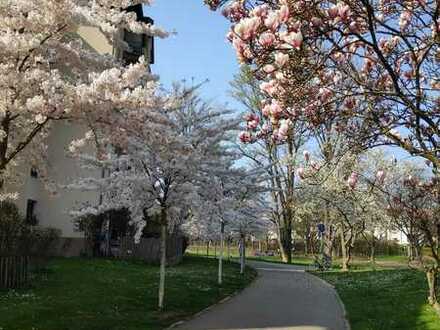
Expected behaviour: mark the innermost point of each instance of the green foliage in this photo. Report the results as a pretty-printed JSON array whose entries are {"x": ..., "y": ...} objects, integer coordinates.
[
  {"x": 18, "y": 238},
  {"x": 385, "y": 300},
  {"x": 96, "y": 294}
]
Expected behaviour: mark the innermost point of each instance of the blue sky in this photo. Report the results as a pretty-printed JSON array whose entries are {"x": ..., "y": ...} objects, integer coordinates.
[{"x": 198, "y": 51}]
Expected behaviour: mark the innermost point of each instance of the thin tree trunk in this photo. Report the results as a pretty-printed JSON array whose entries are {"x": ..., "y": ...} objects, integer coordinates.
[
  {"x": 220, "y": 259},
  {"x": 306, "y": 246},
  {"x": 344, "y": 251},
  {"x": 431, "y": 276},
  {"x": 163, "y": 256},
  {"x": 215, "y": 249},
  {"x": 286, "y": 242},
  {"x": 207, "y": 248},
  {"x": 242, "y": 254},
  {"x": 373, "y": 253}
]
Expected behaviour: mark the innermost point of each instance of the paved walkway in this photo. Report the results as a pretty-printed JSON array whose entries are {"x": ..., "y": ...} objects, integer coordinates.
[{"x": 283, "y": 297}]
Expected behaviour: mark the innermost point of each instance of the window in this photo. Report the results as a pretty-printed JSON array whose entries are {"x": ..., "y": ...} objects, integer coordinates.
[
  {"x": 34, "y": 172},
  {"x": 31, "y": 219}
]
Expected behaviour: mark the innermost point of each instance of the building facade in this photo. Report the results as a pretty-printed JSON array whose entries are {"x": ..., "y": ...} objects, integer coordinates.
[{"x": 35, "y": 202}]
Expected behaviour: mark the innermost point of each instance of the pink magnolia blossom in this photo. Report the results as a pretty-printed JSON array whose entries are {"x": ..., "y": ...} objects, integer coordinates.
[
  {"x": 294, "y": 39},
  {"x": 283, "y": 14},
  {"x": 380, "y": 176},
  {"x": 260, "y": 11},
  {"x": 247, "y": 27},
  {"x": 272, "y": 21},
  {"x": 353, "y": 180},
  {"x": 281, "y": 59},
  {"x": 405, "y": 19},
  {"x": 267, "y": 39},
  {"x": 245, "y": 137},
  {"x": 300, "y": 172},
  {"x": 269, "y": 68},
  {"x": 284, "y": 127},
  {"x": 275, "y": 109},
  {"x": 306, "y": 155}
]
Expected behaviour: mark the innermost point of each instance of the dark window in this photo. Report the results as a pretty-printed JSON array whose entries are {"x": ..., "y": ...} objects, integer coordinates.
[
  {"x": 140, "y": 44},
  {"x": 34, "y": 172},
  {"x": 31, "y": 219}
]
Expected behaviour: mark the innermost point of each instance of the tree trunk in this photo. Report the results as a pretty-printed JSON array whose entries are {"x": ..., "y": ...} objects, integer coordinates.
[
  {"x": 344, "y": 252},
  {"x": 306, "y": 246},
  {"x": 431, "y": 276},
  {"x": 163, "y": 255},
  {"x": 220, "y": 259},
  {"x": 373, "y": 253},
  {"x": 285, "y": 242},
  {"x": 207, "y": 248},
  {"x": 242, "y": 254},
  {"x": 328, "y": 247}
]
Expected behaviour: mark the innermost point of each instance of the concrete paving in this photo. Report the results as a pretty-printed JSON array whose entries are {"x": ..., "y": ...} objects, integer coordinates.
[{"x": 284, "y": 297}]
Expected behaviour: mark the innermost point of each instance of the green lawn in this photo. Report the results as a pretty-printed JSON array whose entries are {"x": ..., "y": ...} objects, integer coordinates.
[
  {"x": 382, "y": 261},
  {"x": 384, "y": 300},
  {"x": 106, "y": 294}
]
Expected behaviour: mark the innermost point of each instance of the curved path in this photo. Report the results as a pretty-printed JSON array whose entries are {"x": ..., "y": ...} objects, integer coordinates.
[{"x": 283, "y": 297}]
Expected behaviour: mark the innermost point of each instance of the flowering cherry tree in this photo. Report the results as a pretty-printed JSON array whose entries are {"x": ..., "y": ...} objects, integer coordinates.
[
  {"x": 158, "y": 162},
  {"x": 375, "y": 61},
  {"x": 47, "y": 74}
]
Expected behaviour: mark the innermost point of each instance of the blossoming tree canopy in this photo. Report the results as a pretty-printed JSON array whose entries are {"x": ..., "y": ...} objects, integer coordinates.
[
  {"x": 47, "y": 73},
  {"x": 376, "y": 61}
]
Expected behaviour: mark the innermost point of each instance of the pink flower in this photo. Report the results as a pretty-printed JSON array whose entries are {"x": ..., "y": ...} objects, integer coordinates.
[
  {"x": 247, "y": 27},
  {"x": 353, "y": 180},
  {"x": 405, "y": 19},
  {"x": 252, "y": 121},
  {"x": 245, "y": 137},
  {"x": 314, "y": 165},
  {"x": 266, "y": 110},
  {"x": 333, "y": 12},
  {"x": 275, "y": 109},
  {"x": 300, "y": 172},
  {"x": 260, "y": 11},
  {"x": 283, "y": 14},
  {"x": 281, "y": 59},
  {"x": 344, "y": 12},
  {"x": 268, "y": 87},
  {"x": 380, "y": 176},
  {"x": 284, "y": 127},
  {"x": 306, "y": 155},
  {"x": 272, "y": 21},
  {"x": 269, "y": 68},
  {"x": 267, "y": 39},
  {"x": 294, "y": 39}
]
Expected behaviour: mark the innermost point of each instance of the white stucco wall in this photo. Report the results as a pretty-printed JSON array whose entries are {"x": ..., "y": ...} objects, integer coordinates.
[{"x": 53, "y": 211}]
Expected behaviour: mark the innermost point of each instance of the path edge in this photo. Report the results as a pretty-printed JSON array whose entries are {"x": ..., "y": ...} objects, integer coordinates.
[
  {"x": 222, "y": 301},
  {"x": 341, "y": 303}
]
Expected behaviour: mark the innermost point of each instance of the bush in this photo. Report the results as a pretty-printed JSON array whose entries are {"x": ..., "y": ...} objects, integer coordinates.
[{"x": 18, "y": 238}]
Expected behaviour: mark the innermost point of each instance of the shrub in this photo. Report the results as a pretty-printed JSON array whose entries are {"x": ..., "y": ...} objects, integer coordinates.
[{"x": 18, "y": 238}]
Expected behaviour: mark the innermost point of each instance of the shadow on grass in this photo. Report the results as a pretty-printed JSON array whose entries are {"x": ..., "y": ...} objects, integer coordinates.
[{"x": 385, "y": 299}]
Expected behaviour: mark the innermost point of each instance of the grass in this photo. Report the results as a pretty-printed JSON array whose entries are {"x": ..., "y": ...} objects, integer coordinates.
[
  {"x": 358, "y": 263},
  {"x": 98, "y": 294},
  {"x": 385, "y": 299}
]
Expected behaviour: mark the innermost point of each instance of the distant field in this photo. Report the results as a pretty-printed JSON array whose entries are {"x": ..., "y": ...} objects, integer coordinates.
[{"x": 382, "y": 262}]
